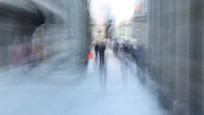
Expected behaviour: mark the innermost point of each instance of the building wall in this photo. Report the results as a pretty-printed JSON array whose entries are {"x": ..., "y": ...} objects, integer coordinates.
[
  {"x": 66, "y": 26},
  {"x": 175, "y": 54},
  {"x": 197, "y": 59},
  {"x": 16, "y": 28},
  {"x": 48, "y": 27}
]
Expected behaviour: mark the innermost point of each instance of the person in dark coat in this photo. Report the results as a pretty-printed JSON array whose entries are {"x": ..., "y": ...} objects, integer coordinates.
[
  {"x": 96, "y": 50},
  {"x": 102, "y": 48}
]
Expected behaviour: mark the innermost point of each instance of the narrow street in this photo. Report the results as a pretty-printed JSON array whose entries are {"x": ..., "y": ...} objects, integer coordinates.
[{"x": 151, "y": 57}]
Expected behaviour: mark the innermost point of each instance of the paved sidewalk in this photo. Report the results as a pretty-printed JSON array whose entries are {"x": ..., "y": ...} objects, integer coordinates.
[{"x": 112, "y": 90}]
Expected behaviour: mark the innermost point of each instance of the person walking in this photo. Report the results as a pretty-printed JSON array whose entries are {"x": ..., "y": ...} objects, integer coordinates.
[
  {"x": 102, "y": 68},
  {"x": 102, "y": 48},
  {"x": 96, "y": 50}
]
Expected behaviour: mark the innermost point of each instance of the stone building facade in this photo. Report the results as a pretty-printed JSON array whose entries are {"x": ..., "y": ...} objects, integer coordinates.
[
  {"x": 53, "y": 27},
  {"x": 175, "y": 54}
]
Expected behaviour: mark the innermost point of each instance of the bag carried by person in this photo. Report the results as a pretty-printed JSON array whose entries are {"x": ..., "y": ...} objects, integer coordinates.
[{"x": 89, "y": 56}]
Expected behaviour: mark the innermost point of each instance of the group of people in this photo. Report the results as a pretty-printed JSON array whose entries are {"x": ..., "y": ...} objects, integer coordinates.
[{"x": 100, "y": 52}]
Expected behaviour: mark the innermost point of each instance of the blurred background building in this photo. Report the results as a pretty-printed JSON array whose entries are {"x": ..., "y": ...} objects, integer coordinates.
[
  {"x": 98, "y": 33},
  {"x": 140, "y": 22}
]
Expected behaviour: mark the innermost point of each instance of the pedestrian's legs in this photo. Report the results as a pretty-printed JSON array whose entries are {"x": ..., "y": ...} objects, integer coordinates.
[
  {"x": 102, "y": 58},
  {"x": 96, "y": 55}
]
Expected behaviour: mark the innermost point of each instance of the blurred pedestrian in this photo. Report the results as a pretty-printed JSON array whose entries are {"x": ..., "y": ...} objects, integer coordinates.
[
  {"x": 116, "y": 47},
  {"x": 102, "y": 48},
  {"x": 96, "y": 50}
]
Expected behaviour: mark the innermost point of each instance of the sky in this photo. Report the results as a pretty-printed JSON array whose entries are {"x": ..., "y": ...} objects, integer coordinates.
[{"x": 119, "y": 9}]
